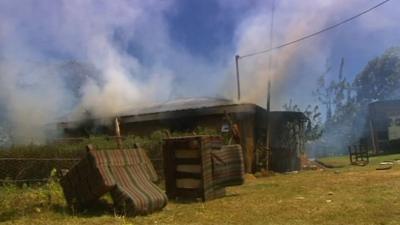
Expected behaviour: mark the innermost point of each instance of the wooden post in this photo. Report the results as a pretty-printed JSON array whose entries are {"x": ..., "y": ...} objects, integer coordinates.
[
  {"x": 89, "y": 148},
  {"x": 237, "y": 57},
  {"x": 350, "y": 155},
  {"x": 118, "y": 133},
  {"x": 359, "y": 156},
  {"x": 268, "y": 129},
  {"x": 373, "y": 137}
]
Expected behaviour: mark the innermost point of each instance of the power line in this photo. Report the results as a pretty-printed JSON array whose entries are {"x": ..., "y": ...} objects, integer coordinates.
[
  {"x": 271, "y": 36},
  {"x": 316, "y": 33},
  {"x": 271, "y": 33}
]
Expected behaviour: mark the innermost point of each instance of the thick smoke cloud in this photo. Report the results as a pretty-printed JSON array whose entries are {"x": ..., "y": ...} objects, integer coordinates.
[
  {"x": 295, "y": 69},
  {"x": 67, "y": 57},
  {"x": 37, "y": 37}
]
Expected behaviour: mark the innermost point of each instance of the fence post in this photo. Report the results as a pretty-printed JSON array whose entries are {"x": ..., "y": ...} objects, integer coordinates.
[{"x": 350, "y": 154}]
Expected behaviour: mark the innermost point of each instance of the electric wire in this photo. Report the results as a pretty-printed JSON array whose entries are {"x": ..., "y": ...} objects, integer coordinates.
[{"x": 315, "y": 33}]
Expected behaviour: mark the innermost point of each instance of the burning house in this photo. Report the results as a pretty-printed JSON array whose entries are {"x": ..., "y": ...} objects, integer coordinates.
[
  {"x": 384, "y": 125},
  {"x": 251, "y": 123}
]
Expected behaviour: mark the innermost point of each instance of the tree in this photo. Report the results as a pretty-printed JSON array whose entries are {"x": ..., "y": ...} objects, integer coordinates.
[
  {"x": 338, "y": 97},
  {"x": 380, "y": 79},
  {"x": 314, "y": 125},
  {"x": 324, "y": 93},
  {"x": 348, "y": 101}
]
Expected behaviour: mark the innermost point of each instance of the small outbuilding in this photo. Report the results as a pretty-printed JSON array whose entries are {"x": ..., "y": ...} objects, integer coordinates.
[
  {"x": 250, "y": 122},
  {"x": 384, "y": 125}
]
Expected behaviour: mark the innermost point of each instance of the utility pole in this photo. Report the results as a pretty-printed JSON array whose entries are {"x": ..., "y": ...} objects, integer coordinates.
[
  {"x": 341, "y": 69},
  {"x": 268, "y": 130},
  {"x": 237, "y": 57},
  {"x": 269, "y": 96}
]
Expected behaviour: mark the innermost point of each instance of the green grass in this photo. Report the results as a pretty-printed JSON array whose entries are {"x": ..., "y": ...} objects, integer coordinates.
[
  {"x": 343, "y": 161},
  {"x": 335, "y": 161},
  {"x": 347, "y": 195}
]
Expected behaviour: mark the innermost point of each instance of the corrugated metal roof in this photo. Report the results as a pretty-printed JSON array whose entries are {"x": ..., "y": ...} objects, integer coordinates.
[
  {"x": 180, "y": 104},
  {"x": 197, "y": 106},
  {"x": 287, "y": 115}
]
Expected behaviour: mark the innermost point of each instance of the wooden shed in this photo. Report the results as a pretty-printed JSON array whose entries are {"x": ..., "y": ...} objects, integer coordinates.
[
  {"x": 384, "y": 125},
  {"x": 286, "y": 131},
  {"x": 287, "y": 140}
]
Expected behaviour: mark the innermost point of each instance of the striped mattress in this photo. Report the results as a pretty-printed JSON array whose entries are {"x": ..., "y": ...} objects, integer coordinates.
[
  {"x": 228, "y": 168},
  {"x": 127, "y": 174}
]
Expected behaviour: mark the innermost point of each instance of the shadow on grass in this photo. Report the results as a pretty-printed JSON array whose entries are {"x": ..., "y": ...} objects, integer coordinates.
[
  {"x": 9, "y": 215},
  {"x": 99, "y": 208},
  {"x": 30, "y": 210}
]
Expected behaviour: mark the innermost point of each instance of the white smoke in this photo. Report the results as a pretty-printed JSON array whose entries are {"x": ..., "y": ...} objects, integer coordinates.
[
  {"x": 295, "y": 68},
  {"x": 36, "y": 37},
  {"x": 33, "y": 95}
]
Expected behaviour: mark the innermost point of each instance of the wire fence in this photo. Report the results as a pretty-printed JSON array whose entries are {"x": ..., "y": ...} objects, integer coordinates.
[
  {"x": 34, "y": 163},
  {"x": 38, "y": 170},
  {"x": 32, "y": 170}
]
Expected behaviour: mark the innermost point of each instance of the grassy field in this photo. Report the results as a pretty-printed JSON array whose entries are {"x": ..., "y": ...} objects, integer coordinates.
[{"x": 346, "y": 195}]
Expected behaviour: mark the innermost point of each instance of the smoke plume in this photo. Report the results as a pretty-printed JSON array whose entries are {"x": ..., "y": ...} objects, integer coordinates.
[{"x": 60, "y": 59}]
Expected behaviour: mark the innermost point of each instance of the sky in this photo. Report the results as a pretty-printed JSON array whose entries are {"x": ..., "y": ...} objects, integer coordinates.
[
  {"x": 132, "y": 53},
  {"x": 207, "y": 29}
]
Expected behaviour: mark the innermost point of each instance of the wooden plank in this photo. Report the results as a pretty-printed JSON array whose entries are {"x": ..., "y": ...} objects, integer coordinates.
[
  {"x": 169, "y": 170},
  {"x": 188, "y": 175},
  {"x": 187, "y": 153},
  {"x": 188, "y": 168},
  {"x": 188, "y": 161},
  {"x": 249, "y": 153},
  {"x": 189, "y": 193},
  {"x": 185, "y": 143},
  {"x": 188, "y": 183}
]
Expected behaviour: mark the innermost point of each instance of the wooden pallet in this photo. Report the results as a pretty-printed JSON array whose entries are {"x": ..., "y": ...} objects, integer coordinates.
[{"x": 200, "y": 167}]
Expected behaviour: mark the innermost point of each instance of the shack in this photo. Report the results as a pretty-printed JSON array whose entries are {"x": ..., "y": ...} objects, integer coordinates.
[
  {"x": 287, "y": 140},
  {"x": 286, "y": 136},
  {"x": 384, "y": 126}
]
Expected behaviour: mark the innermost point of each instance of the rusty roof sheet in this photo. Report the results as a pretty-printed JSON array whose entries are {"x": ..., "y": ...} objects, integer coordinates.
[{"x": 180, "y": 104}]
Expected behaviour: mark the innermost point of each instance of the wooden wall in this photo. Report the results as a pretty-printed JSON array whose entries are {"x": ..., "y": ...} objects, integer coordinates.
[{"x": 246, "y": 122}]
